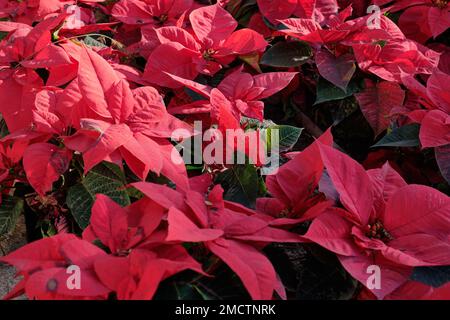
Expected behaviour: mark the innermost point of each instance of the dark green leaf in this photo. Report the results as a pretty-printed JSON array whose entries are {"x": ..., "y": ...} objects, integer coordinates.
[
  {"x": 311, "y": 272},
  {"x": 194, "y": 95},
  {"x": 406, "y": 136},
  {"x": 324, "y": 278},
  {"x": 241, "y": 184},
  {"x": 272, "y": 26},
  {"x": 179, "y": 291},
  {"x": 326, "y": 91},
  {"x": 224, "y": 285},
  {"x": 3, "y": 128},
  {"x": 443, "y": 160},
  {"x": 91, "y": 42},
  {"x": 3, "y": 35},
  {"x": 432, "y": 276},
  {"x": 106, "y": 179},
  {"x": 193, "y": 167},
  {"x": 287, "y": 135},
  {"x": 287, "y": 54},
  {"x": 10, "y": 209}
]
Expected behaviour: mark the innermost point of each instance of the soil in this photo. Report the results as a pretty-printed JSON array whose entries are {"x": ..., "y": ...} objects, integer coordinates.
[{"x": 8, "y": 244}]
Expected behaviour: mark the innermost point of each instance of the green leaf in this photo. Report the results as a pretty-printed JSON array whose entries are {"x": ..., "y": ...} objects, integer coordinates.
[
  {"x": 194, "y": 167},
  {"x": 3, "y": 35},
  {"x": 432, "y": 276},
  {"x": 322, "y": 277},
  {"x": 10, "y": 209},
  {"x": 288, "y": 136},
  {"x": 242, "y": 11},
  {"x": 3, "y": 128},
  {"x": 287, "y": 54},
  {"x": 326, "y": 91},
  {"x": 191, "y": 292},
  {"x": 312, "y": 272},
  {"x": 194, "y": 95},
  {"x": 91, "y": 42},
  {"x": 223, "y": 285},
  {"x": 442, "y": 154},
  {"x": 241, "y": 184},
  {"x": 406, "y": 136},
  {"x": 106, "y": 179},
  {"x": 252, "y": 123},
  {"x": 178, "y": 290}
]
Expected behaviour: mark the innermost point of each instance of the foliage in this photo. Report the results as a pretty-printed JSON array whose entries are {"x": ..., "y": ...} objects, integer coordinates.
[{"x": 101, "y": 146}]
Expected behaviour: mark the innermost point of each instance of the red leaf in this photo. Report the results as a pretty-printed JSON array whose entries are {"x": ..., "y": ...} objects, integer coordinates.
[
  {"x": 338, "y": 70},
  {"x": 332, "y": 231},
  {"x": 385, "y": 182},
  {"x": 172, "y": 58},
  {"x": 439, "y": 20},
  {"x": 51, "y": 284},
  {"x": 416, "y": 209},
  {"x": 108, "y": 139},
  {"x": 245, "y": 41},
  {"x": 435, "y": 129},
  {"x": 252, "y": 267},
  {"x": 278, "y": 9},
  {"x": 443, "y": 159},
  {"x": 212, "y": 23},
  {"x": 377, "y": 101},
  {"x": 351, "y": 182},
  {"x": 96, "y": 80},
  {"x": 272, "y": 82},
  {"x": 44, "y": 253},
  {"x": 109, "y": 222},
  {"x": 44, "y": 163},
  {"x": 392, "y": 275},
  {"x": 438, "y": 89},
  {"x": 181, "y": 228}
]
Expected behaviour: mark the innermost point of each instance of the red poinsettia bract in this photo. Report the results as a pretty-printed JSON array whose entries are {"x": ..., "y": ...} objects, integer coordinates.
[
  {"x": 213, "y": 43},
  {"x": 386, "y": 223}
]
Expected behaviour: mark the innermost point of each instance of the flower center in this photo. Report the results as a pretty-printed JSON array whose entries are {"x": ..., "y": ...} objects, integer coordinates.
[
  {"x": 377, "y": 231},
  {"x": 161, "y": 19},
  {"x": 441, "y": 4},
  {"x": 123, "y": 252},
  {"x": 208, "y": 54},
  {"x": 285, "y": 213}
]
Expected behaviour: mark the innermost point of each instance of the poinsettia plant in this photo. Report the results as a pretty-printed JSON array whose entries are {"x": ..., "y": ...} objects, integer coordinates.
[{"x": 235, "y": 149}]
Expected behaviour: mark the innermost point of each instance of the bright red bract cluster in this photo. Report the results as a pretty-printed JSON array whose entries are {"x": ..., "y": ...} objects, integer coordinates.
[{"x": 89, "y": 82}]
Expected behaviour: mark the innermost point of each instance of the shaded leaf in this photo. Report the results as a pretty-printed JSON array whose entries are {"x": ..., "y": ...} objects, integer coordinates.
[
  {"x": 240, "y": 183},
  {"x": 287, "y": 54},
  {"x": 91, "y": 42},
  {"x": 406, "y": 136},
  {"x": 326, "y": 91},
  {"x": 288, "y": 136},
  {"x": 338, "y": 70},
  {"x": 10, "y": 209},
  {"x": 252, "y": 60},
  {"x": 44, "y": 163},
  {"x": 224, "y": 285},
  {"x": 376, "y": 102},
  {"x": 310, "y": 272},
  {"x": 106, "y": 179},
  {"x": 323, "y": 278},
  {"x": 432, "y": 276},
  {"x": 3, "y": 128},
  {"x": 443, "y": 160}
]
